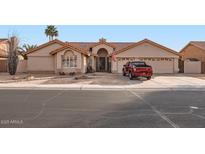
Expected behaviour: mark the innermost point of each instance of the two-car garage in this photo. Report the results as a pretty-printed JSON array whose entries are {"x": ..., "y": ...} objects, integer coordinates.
[
  {"x": 159, "y": 65},
  {"x": 162, "y": 59}
]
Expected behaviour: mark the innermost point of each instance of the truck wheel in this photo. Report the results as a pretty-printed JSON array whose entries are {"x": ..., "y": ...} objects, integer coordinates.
[
  {"x": 149, "y": 77},
  {"x": 130, "y": 76}
]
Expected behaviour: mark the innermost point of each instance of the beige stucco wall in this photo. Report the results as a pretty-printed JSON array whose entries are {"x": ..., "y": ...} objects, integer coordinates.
[
  {"x": 22, "y": 66},
  {"x": 193, "y": 52},
  {"x": 148, "y": 51},
  {"x": 192, "y": 66},
  {"x": 40, "y": 63},
  {"x": 108, "y": 48},
  {"x": 55, "y": 63},
  {"x": 114, "y": 66},
  {"x": 176, "y": 65},
  {"x": 41, "y": 60},
  {"x": 93, "y": 62},
  {"x": 84, "y": 63}
]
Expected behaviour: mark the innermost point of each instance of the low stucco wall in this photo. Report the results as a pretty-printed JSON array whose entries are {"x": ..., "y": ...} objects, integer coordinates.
[
  {"x": 22, "y": 66},
  {"x": 192, "y": 67}
]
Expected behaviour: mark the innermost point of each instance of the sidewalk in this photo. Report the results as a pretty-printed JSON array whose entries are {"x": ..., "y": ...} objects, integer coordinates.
[{"x": 149, "y": 85}]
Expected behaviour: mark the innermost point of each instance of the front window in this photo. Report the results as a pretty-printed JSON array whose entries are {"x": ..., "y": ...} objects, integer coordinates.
[{"x": 69, "y": 60}]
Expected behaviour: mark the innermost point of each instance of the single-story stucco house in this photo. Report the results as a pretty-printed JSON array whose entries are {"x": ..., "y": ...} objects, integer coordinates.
[
  {"x": 102, "y": 56},
  {"x": 194, "y": 51}
]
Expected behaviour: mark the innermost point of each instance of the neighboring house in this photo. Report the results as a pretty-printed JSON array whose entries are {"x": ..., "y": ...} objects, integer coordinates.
[
  {"x": 3, "y": 48},
  {"x": 57, "y": 56},
  {"x": 3, "y": 54},
  {"x": 194, "y": 51}
]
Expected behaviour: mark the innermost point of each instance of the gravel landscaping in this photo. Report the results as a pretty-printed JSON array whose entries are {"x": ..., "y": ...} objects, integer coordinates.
[
  {"x": 102, "y": 80},
  {"x": 91, "y": 79}
]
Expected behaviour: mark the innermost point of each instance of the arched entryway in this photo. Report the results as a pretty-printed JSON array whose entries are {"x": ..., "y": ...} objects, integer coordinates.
[{"x": 103, "y": 63}]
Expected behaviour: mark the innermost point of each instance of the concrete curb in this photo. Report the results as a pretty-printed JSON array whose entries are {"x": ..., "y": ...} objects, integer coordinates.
[{"x": 101, "y": 88}]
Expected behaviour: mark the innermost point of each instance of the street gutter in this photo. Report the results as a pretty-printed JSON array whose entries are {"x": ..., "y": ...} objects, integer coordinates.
[{"x": 101, "y": 88}]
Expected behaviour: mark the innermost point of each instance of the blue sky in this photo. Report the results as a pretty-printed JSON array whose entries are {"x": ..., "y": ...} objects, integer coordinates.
[{"x": 174, "y": 37}]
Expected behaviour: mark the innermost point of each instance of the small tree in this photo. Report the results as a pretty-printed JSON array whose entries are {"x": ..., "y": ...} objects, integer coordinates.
[{"x": 13, "y": 55}]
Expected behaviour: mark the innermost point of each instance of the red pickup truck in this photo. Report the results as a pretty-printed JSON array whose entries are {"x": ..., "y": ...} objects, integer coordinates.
[{"x": 137, "y": 69}]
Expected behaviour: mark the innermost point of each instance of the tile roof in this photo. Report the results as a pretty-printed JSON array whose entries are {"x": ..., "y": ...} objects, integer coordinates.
[
  {"x": 200, "y": 44},
  {"x": 88, "y": 45},
  {"x": 45, "y": 45},
  {"x": 84, "y": 47},
  {"x": 68, "y": 46},
  {"x": 2, "y": 40}
]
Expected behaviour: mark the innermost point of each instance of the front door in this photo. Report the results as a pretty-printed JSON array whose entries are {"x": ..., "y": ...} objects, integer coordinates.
[{"x": 102, "y": 62}]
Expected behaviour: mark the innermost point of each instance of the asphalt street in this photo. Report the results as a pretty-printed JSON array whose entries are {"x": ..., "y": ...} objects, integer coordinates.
[{"x": 102, "y": 109}]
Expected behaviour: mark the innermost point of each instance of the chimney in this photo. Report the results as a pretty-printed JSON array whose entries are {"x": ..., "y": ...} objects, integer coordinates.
[{"x": 102, "y": 40}]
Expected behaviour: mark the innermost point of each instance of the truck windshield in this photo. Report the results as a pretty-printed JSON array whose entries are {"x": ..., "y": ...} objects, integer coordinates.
[{"x": 137, "y": 64}]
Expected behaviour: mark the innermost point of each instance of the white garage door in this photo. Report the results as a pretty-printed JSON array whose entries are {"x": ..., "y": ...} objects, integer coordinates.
[
  {"x": 159, "y": 65},
  {"x": 192, "y": 66}
]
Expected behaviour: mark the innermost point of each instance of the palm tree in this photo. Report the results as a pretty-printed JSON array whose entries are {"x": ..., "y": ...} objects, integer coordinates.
[
  {"x": 26, "y": 47},
  {"x": 51, "y": 32}
]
